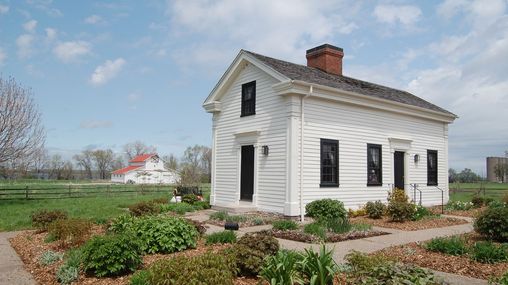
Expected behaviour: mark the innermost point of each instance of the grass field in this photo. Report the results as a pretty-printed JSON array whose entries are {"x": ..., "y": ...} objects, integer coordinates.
[{"x": 465, "y": 191}]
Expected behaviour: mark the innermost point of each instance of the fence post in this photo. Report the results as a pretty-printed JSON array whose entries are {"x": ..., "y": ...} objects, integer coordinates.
[{"x": 26, "y": 192}]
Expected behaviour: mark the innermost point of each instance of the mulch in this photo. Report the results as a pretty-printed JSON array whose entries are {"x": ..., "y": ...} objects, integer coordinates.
[
  {"x": 425, "y": 223},
  {"x": 30, "y": 245},
  {"x": 469, "y": 213},
  {"x": 414, "y": 253},
  {"x": 299, "y": 235},
  {"x": 266, "y": 217}
]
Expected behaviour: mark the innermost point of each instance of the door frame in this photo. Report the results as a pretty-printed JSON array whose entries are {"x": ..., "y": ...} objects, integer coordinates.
[
  {"x": 242, "y": 168},
  {"x": 242, "y": 139},
  {"x": 402, "y": 145},
  {"x": 403, "y": 169}
]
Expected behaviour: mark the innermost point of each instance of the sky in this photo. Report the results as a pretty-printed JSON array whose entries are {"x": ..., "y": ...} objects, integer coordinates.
[{"x": 107, "y": 73}]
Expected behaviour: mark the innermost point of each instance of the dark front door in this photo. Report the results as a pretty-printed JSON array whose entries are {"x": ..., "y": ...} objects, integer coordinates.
[
  {"x": 399, "y": 169},
  {"x": 247, "y": 173}
]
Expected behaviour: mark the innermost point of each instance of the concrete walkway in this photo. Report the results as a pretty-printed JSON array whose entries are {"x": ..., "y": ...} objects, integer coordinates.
[{"x": 11, "y": 266}]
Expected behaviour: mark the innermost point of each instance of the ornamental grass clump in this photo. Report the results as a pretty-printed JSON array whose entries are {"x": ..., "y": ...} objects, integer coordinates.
[
  {"x": 221, "y": 237},
  {"x": 449, "y": 245},
  {"x": 489, "y": 252},
  {"x": 284, "y": 225}
]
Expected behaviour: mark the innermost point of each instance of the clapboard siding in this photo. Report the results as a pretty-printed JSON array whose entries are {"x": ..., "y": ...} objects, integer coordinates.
[{"x": 270, "y": 120}]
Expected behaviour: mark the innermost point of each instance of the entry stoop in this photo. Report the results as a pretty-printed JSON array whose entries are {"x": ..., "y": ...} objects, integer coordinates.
[{"x": 242, "y": 207}]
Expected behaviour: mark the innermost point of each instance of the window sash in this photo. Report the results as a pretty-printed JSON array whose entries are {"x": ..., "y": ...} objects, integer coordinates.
[
  {"x": 432, "y": 167},
  {"x": 374, "y": 165},
  {"x": 248, "y": 99},
  {"x": 329, "y": 163}
]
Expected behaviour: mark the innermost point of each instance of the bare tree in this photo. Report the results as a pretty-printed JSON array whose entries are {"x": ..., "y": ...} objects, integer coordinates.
[
  {"x": 118, "y": 162},
  {"x": 195, "y": 164},
  {"x": 56, "y": 165},
  {"x": 67, "y": 171},
  {"x": 21, "y": 130},
  {"x": 136, "y": 148},
  {"x": 103, "y": 161},
  {"x": 85, "y": 160},
  {"x": 170, "y": 162},
  {"x": 40, "y": 160}
]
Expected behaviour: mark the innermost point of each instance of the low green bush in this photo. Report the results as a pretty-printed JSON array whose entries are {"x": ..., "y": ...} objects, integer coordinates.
[
  {"x": 375, "y": 210},
  {"x": 316, "y": 229},
  {"x": 203, "y": 205},
  {"x": 489, "y": 252},
  {"x": 190, "y": 199},
  {"x": 449, "y": 245},
  {"x": 339, "y": 226},
  {"x": 49, "y": 257},
  {"x": 67, "y": 274},
  {"x": 41, "y": 219},
  {"x": 209, "y": 268},
  {"x": 251, "y": 250},
  {"x": 72, "y": 232},
  {"x": 478, "y": 201},
  {"x": 496, "y": 204},
  {"x": 121, "y": 223},
  {"x": 326, "y": 210},
  {"x": 492, "y": 223},
  {"x": 319, "y": 267},
  {"x": 282, "y": 268},
  {"x": 420, "y": 213},
  {"x": 179, "y": 208},
  {"x": 221, "y": 237},
  {"x": 399, "y": 208},
  {"x": 111, "y": 255},
  {"x": 284, "y": 225},
  {"x": 144, "y": 208},
  {"x": 459, "y": 206}
]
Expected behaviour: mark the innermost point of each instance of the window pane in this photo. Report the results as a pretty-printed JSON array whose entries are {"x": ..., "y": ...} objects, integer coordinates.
[
  {"x": 374, "y": 166},
  {"x": 329, "y": 162}
]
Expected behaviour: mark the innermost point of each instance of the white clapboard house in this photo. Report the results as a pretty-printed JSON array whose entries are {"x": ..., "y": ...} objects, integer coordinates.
[
  {"x": 145, "y": 169},
  {"x": 286, "y": 134}
]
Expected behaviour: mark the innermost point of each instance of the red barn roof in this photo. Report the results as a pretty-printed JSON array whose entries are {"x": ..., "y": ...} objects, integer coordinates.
[
  {"x": 142, "y": 157},
  {"x": 126, "y": 169}
]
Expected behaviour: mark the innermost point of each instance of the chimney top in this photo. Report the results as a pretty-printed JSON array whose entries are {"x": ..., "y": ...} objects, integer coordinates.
[{"x": 326, "y": 57}]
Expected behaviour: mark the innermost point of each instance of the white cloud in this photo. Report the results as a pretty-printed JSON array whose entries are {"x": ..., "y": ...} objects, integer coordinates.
[
  {"x": 133, "y": 97},
  {"x": 24, "y": 44},
  {"x": 93, "y": 19},
  {"x": 30, "y": 26},
  {"x": 45, "y": 6},
  {"x": 107, "y": 71},
  {"x": 71, "y": 51},
  {"x": 480, "y": 13},
  {"x": 407, "y": 15},
  {"x": 4, "y": 9},
  {"x": 50, "y": 34},
  {"x": 95, "y": 124},
  {"x": 3, "y": 56}
]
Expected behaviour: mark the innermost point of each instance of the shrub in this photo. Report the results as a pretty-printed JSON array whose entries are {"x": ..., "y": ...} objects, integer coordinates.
[
  {"x": 488, "y": 252},
  {"x": 282, "y": 268},
  {"x": 326, "y": 210},
  {"x": 221, "y": 216},
  {"x": 144, "y": 208},
  {"x": 478, "y": 201},
  {"x": 285, "y": 225},
  {"x": 399, "y": 208},
  {"x": 41, "y": 219},
  {"x": 203, "y": 204},
  {"x": 320, "y": 267},
  {"x": 71, "y": 232},
  {"x": 496, "y": 204},
  {"x": 209, "y": 268},
  {"x": 459, "y": 206},
  {"x": 67, "y": 274},
  {"x": 375, "y": 210},
  {"x": 356, "y": 213},
  {"x": 448, "y": 245},
  {"x": 316, "y": 229},
  {"x": 111, "y": 255},
  {"x": 190, "y": 199},
  {"x": 265, "y": 243},
  {"x": 420, "y": 213},
  {"x": 487, "y": 201},
  {"x": 339, "y": 226},
  {"x": 121, "y": 223},
  {"x": 49, "y": 257},
  {"x": 221, "y": 237},
  {"x": 251, "y": 250},
  {"x": 493, "y": 223}
]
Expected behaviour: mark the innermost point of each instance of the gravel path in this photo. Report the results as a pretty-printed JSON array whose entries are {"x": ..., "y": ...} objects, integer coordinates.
[{"x": 11, "y": 266}]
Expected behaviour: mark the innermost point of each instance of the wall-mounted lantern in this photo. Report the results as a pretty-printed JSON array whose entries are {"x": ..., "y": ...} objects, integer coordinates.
[
  {"x": 417, "y": 158},
  {"x": 265, "y": 150}
]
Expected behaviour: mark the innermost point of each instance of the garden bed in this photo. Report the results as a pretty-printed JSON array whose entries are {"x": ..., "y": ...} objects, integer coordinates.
[
  {"x": 244, "y": 220},
  {"x": 425, "y": 223},
  {"x": 471, "y": 213},
  {"x": 416, "y": 254},
  {"x": 30, "y": 245},
  {"x": 299, "y": 235}
]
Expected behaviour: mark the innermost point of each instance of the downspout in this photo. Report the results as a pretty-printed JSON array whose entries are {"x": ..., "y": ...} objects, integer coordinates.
[{"x": 302, "y": 117}]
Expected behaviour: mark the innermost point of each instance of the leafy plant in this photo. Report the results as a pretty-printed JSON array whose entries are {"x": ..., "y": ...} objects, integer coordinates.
[
  {"x": 319, "y": 268},
  {"x": 492, "y": 223},
  {"x": 221, "y": 216},
  {"x": 339, "y": 226},
  {"x": 282, "y": 268},
  {"x": 121, "y": 223},
  {"x": 459, "y": 206},
  {"x": 251, "y": 250},
  {"x": 488, "y": 252},
  {"x": 203, "y": 204},
  {"x": 71, "y": 232},
  {"x": 420, "y": 213},
  {"x": 49, "y": 257},
  {"x": 209, "y": 268},
  {"x": 375, "y": 210},
  {"x": 221, "y": 237},
  {"x": 41, "y": 219},
  {"x": 284, "y": 225},
  {"x": 179, "y": 208},
  {"x": 399, "y": 208},
  {"x": 356, "y": 213},
  {"x": 190, "y": 199},
  {"x": 236, "y": 218},
  {"x": 258, "y": 221},
  {"x": 265, "y": 243},
  {"x": 496, "y": 204},
  {"x": 111, "y": 255},
  {"x": 449, "y": 245},
  {"x": 478, "y": 201},
  {"x": 326, "y": 210},
  {"x": 67, "y": 274},
  {"x": 144, "y": 208},
  {"x": 316, "y": 229}
]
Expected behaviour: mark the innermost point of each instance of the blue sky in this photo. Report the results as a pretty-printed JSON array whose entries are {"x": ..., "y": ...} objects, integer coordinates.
[{"x": 108, "y": 73}]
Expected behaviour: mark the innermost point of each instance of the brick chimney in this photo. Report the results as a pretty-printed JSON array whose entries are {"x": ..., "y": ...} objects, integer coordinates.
[{"x": 327, "y": 58}]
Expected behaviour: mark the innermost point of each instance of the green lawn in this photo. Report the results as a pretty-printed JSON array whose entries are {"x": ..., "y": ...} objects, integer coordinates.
[
  {"x": 466, "y": 191},
  {"x": 15, "y": 214}
]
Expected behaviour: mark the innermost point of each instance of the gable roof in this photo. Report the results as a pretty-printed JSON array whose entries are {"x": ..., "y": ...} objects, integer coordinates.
[
  {"x": 126, "y": 169},
  {"x": 313, "y": 75},
  {"x": 142, "y": 157}
]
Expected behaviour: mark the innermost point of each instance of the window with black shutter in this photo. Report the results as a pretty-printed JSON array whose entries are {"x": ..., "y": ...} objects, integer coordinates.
[
  {"x": 329, "y": 163},
  {"x": 374, "y": 165},
  {"x": 248, "y": 99},
  {"x": 431, "y": 167}
]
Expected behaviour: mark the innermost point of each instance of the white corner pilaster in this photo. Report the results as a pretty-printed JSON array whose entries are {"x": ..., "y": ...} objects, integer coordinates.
[{"x": 292, "y": 205}]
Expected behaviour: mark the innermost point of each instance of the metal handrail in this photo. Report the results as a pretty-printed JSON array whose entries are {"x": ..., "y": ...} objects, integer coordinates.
[
  {"x": 442, "y": 199},
  {"x": 415, "y": 188}
]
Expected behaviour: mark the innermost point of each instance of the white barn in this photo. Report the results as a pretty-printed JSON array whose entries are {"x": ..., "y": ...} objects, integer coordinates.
[
  {"x": 145, "y": 169},
  {"x": 286, "y": 134}
]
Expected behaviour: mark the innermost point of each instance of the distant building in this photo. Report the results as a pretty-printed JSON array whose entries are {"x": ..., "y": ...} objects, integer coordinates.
[
  {"x": 492, "y": 162},
  {"x": 145, "y": 169}
]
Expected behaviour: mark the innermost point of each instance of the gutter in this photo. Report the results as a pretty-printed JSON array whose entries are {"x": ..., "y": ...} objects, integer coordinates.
[{"x": 302, "y": 117}]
